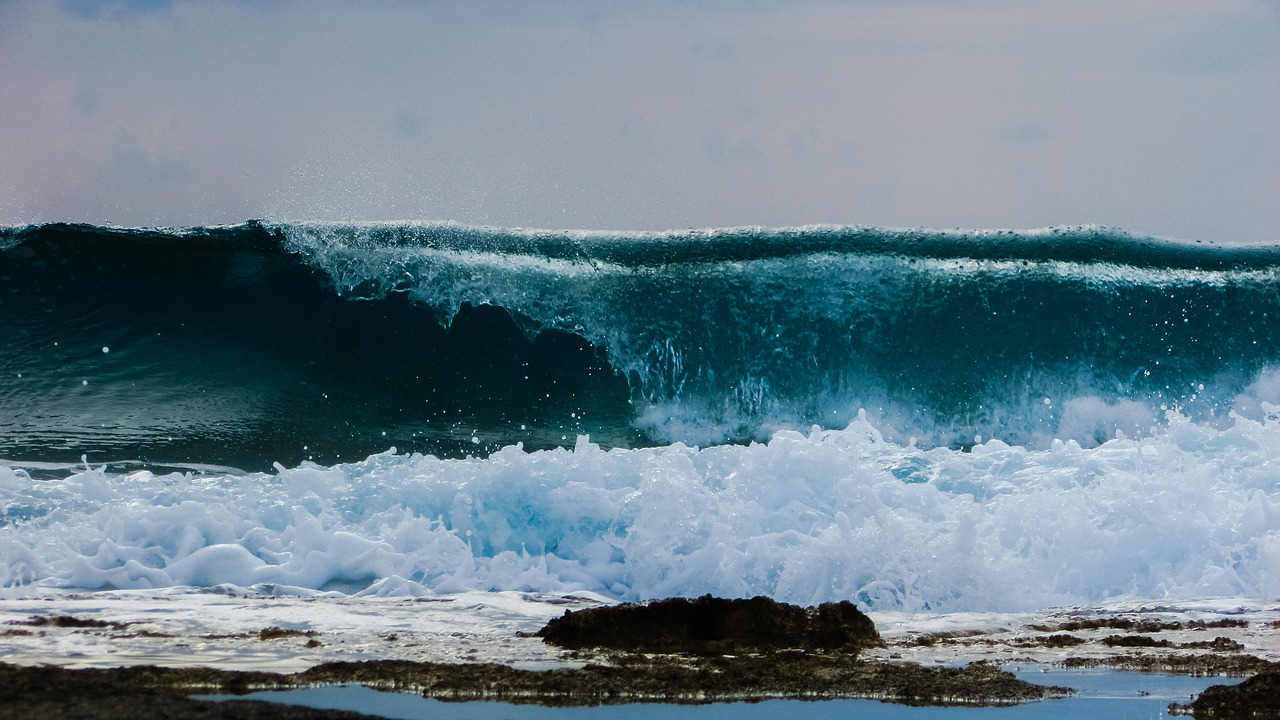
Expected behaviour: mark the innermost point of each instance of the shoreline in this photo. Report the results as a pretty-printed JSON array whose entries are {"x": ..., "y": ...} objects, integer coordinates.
[{"x": 482, "y": 646}]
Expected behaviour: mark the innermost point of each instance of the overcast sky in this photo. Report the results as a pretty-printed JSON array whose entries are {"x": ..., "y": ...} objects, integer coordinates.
[{"x": 1160, "y": 116}]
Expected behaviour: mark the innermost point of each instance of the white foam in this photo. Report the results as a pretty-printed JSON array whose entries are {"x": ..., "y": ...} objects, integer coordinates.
[
  {"x": 1091, "y": 420},
  {"x": 1190, "y": 511},
  {"x": 1260, "y": 399},
  {"x": 194, "y": 628}
]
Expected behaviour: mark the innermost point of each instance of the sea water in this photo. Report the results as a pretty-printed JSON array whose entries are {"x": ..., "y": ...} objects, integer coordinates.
[
  {"x": 915, "y": 420},
  {"x": 1101, "y": 695}
]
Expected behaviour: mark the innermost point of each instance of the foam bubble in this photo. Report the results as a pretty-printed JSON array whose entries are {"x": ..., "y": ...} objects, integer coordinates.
[
  {"x": 1252, "y": 401},
  {"x": 1192, "y": 510},
  {"x": 1091, "y": 421}
]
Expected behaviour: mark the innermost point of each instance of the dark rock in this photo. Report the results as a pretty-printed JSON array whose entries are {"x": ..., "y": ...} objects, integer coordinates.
[
  {"x": 682, "y": 651},
  {"x": 275, "y": 633},
  {"x": 138, "y": 693},
  {"x": 143, "y": 693},
  {"x": 1257, "y": 698},
  {"x": 67, "y": 621},
  {"x": 699, "y": 679},
  {"x": 710, "y": 625},
  {"x": 1201, "y": 664},
  {"x": 1060, "y": 640},
  {"x": 1221, "y": 644},
  {"x": 1134, "y": 641}
]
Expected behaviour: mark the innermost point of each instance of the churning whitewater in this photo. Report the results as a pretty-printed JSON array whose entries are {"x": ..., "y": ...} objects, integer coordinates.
[{"x": 939, "y": 420}]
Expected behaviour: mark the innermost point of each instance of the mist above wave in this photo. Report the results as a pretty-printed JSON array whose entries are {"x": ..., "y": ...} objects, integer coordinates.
[
  {"x": 729, "y": 334},
  {"x": 244, "y": 344}
]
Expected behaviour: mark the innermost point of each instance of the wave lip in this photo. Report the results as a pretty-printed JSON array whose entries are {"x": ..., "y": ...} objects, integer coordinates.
[
  {"x": 278, "y": 336},
  {"x": 725, "y": 334}
]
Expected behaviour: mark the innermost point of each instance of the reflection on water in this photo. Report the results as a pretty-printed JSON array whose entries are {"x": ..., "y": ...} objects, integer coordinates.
[{"x": 1103, "y": 695}]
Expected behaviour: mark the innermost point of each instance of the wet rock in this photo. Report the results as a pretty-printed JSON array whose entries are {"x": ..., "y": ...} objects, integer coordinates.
[
  {"x": 1221, "y": 644},
  {"x": 1060, "y": 640},
  {"x": 1257, "y": 698},
  {"x": 67, "y": 621},
  {"x": 696, "y": 679},
  {"x": 138, "y": 693},
  {"x": 275, "y": 633},
  {"x": 1134, "y": 641},
  {"x": 711, "y": 625},
  {"x": 1199, "y": 664},
  {"x": 142, "y": 693},
  {"x": 1143, "y": 625},
  {"x": 678, "y": 651}
]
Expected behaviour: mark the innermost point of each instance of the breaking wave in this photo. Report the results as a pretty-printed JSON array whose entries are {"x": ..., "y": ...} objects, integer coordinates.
[{"x": 920, "y": 420}]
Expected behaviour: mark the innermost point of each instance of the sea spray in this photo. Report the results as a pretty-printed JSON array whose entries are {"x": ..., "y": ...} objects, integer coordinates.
[
  {"x": 262, "y": 342},
  {"x": 909, "y": 419},
  {"x": 1190, "y": 511}
]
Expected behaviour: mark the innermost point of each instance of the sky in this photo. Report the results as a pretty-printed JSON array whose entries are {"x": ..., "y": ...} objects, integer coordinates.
[{"x": 1158, "y": 116}]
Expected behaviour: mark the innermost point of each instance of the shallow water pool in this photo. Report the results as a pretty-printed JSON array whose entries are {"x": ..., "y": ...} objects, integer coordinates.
[{"x": 1103, "y": 695}]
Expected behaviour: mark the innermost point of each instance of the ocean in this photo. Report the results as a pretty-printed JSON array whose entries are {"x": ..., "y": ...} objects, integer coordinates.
[{"x": 916, "y": 420}]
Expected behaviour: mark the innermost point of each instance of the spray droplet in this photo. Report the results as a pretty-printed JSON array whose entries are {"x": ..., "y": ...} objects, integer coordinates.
[{"x": 105, "y": 349}]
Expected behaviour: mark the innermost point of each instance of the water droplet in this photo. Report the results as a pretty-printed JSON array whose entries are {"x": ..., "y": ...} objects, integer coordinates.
[{"x": 106, "y": 349}]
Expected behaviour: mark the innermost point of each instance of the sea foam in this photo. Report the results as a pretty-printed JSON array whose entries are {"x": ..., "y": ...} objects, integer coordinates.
[{"x": 1192, "y": 510}]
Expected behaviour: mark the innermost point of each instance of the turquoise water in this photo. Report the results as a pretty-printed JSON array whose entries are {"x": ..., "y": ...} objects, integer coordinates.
[
  {"x": 1103, "y": 695},
  {"x": 282, "y": 342},
  {"x": 909, "y": 419}
]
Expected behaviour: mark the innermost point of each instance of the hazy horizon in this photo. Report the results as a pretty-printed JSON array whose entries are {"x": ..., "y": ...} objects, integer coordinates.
[{"x": 1161, "y": 118}]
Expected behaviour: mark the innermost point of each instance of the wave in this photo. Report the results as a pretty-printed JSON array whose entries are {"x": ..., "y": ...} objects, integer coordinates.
[
  {"x": 919, "y": 420},
  {"x": 830, "y": 515},
  {"x": 246, "y": 344}
]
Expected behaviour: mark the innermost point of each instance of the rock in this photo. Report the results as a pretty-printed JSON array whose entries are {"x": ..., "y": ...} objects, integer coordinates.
[
  {"x": 1257, "y": 698},
  {"x": 140, "y": 693},
  {"x": 711, "y": 625}
]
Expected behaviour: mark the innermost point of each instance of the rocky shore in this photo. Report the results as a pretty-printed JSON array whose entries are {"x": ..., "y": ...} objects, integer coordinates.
[
  {"x": 681, "y": 651},
  {"x": 678, "y": 650}
]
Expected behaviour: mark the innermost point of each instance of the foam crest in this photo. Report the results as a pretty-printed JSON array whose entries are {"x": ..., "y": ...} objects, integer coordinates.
[
  {"x": 1191, "y": 511},
  {"x": 700, "y": 336},
  {"x": 730, "y": 334}
]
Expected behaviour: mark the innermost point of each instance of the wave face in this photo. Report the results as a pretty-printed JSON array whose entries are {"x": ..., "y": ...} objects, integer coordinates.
[
  {"x": 912, "y": 419},
  {"x": 264, "y": 342}
]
